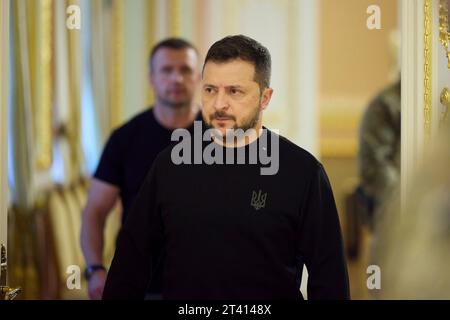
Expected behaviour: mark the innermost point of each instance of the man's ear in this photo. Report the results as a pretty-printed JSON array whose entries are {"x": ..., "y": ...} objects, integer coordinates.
[{"x": 266, "y": 96}]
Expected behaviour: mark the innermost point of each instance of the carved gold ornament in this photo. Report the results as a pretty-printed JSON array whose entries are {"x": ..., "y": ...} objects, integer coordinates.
[
  {"x": 444, "y": 31},
  {"x": 445, "y": 101}
]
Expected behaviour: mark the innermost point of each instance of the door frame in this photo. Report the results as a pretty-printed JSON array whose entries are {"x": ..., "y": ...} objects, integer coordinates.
[{"x": 421, "y": 89}]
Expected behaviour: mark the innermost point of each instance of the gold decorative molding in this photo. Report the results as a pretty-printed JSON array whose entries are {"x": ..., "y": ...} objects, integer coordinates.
[
  {"x": 427, "y": 68},
  {"x": 445, "y": 101},
  {"x": 44, "y": 106},
  {"x": 444, "y": 30},
  {"x": 117, "y": 63}
]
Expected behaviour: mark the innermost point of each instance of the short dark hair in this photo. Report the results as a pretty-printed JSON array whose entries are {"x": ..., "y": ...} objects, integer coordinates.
[
  {"x": 171, "y": 43},
  {"x": 246, "y": 49}
]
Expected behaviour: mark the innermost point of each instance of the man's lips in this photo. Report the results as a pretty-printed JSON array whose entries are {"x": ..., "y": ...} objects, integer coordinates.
[{"x": 177, "y": 90}]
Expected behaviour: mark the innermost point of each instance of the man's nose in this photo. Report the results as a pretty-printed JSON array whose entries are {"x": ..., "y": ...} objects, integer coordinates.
[
  {"x": 221, "y": 101},
  {"x": 177, "y": 76}
]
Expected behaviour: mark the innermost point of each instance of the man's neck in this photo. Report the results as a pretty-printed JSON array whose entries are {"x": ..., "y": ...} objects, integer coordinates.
[
  {"x": 255, "y": 133},
  {"x": 173, "y": 118}
]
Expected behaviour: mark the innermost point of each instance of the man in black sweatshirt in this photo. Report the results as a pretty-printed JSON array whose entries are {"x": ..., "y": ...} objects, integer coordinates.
[{"x": 235, "y": 211}]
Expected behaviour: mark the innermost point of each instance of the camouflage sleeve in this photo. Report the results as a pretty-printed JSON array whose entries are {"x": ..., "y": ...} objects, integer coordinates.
[{"x": 378, "y": 157}]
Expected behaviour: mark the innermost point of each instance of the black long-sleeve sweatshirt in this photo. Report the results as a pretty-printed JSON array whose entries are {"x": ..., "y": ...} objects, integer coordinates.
[{"x": 225, "y": 231}]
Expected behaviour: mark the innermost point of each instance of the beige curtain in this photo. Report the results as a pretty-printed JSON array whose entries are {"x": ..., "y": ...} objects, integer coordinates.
[
  {"x": 74, "y": 127},
  {"x": 100, "y": 58},
  {"x": 4, "y": 83},
  {"x": 30, "y": 132},
  {"x": 21, "y": 108},
  {"x": 66, "y": 107}
]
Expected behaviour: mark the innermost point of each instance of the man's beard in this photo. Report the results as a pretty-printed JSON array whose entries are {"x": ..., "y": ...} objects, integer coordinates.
[
  {"x": 248, "y": 123},
  {"x": 174, "y": 105}
]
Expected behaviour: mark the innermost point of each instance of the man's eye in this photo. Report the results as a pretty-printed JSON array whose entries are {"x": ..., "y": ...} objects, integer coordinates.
[
  {"x": 208, "y": 90},
  {"x": 186, "y": 71},
  {"x": 235, "y": 91}
]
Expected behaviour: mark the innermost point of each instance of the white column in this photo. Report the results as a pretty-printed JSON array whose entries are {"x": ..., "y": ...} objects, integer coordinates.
[
  {"x": 308, "y": 71},
  {"x": 306, "y": 95},
  {"x": 412, "y": 122}
]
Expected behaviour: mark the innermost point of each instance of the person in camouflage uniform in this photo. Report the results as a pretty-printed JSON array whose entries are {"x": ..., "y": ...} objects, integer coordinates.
[{"x": 379, "y": 150}]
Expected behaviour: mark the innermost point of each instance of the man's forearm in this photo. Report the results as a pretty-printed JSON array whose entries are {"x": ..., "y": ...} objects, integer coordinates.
[{"x": 92, "y": 239}]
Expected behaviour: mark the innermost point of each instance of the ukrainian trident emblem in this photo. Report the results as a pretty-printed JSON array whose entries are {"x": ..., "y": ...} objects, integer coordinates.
[{"x": 258, "y": 200}]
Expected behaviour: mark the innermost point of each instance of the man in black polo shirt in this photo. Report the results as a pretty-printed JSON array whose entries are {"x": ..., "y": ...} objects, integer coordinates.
[
  {"x": 131, "y": 149},
  {"x": 235, "y": 215}
]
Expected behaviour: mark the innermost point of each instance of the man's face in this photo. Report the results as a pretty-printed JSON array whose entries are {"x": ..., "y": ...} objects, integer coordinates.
[
  {"x": 174, "y": 76},
  {"x": 231, "y": 98}
]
